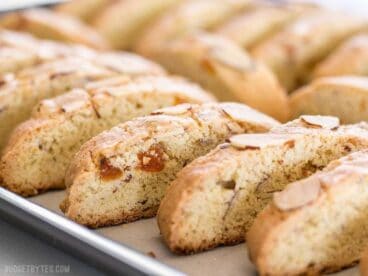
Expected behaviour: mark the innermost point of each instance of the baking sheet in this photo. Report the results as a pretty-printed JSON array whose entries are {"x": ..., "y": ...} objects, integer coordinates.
[{"x": 144, "y": 236}]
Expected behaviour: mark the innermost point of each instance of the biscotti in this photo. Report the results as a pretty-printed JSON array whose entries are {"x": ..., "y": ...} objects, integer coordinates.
[
  {"x": 129, "y": 167},
  {"x": 188, "y": 16},
  {"x": 345, "y": 97},
  {"x": 293, "y": 52},
  {"x": 215, "y": 199},
  {"x": 317, "y": 225},
  {"x": 39, "y": 151},
  {"x": 351, "y": 58},
  {"x": 85, "y": 10},
  {"x": 223, "y": 68},
  {"x": 123, "y": 22},
  {"x": 19, "y": 94},
  {"x": 257, "y": 24},
  {"x": 45, "y": 23}
]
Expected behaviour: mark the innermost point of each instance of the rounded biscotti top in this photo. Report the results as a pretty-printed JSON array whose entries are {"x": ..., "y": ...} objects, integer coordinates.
[
  {"x": 261, "y": 22},
  {"x": 212, "y": 116},
  {"x": 290, "y": 207},
  {"x": 343, "y": 96},
  {"x": 351, "y": 58},
  {"x": 96, "y": 93},
  {"x": 287, "y": 52},
  {"x": 186, "y": 17},
  {"x": 218, "y": 61},
  {"x": 122, "y": 33},
  {"x": 306, "y": 191},
  {"x": 128, "y": 63},
  {"x": 86, "y": 10},
  {"x": 48, "y": 24}
]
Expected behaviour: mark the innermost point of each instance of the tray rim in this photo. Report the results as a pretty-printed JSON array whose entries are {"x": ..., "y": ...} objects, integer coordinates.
[{"x": 85, "y": 244}]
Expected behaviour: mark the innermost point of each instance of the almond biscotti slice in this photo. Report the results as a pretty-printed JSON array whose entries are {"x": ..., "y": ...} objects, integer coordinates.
[
  {"x": 293, "y": 52},
  {"x": 317, "y": 225},
  {"x": 45, "y": 23},
  {"x": 188, "y": 16},
  {"x": 351, "y": 58},
  {"x": 345, "y": 97},
  {"x": 257, "y": 24},
  {"x": 123, "y": 22},
  {"x": 121, "y": 175},
  {"x": 223, "y": 68},
  {"x": 85, "y": 10},
  {"x": 215, "y": 199},
  {"x": 19, "y": 94},
  {"x": 40, "y": 150}
]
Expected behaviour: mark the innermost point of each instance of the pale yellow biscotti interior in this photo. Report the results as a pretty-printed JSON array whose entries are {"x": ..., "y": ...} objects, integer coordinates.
[
  {"x": 40, "y": 149},
  {"x": 329, "y": 225},
  {"x": 219, "y": 209},
  {"x": 143, "y": 156}
]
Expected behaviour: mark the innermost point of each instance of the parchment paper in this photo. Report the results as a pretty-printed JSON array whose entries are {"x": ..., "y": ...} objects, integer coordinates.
[{"x": 144, "y": 236}]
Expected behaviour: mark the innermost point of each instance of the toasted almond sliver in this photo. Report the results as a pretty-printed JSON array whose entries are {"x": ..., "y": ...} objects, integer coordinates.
[
  {"x": 327, "y": 122},
  {"x": 244, "y": 114},
  {"x": 298, "y": 194},
  {"x": 173, "y": 110},
  {"x": 258, "y": 141}
]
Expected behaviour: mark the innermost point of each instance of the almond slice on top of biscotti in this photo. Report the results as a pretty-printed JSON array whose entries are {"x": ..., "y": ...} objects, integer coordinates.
[
  {"x": 317, "y": 225},
  {"x": 225, "y": 69},
  {"x": 122, "y": 174},
  {"x": 215, "y": 199},
  {"x": 345, "y": 97},
  {"x": 40, "y": 149}
]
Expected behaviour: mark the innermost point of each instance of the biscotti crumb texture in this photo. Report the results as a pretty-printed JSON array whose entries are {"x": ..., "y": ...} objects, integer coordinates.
[
  {"x": 129, "y": 167},
  {"x": 317, "y": 225},
  {"x": 345, "y": 97},
  {"x": 215, "y": 199},
  {"x": 40, "y": 149}
]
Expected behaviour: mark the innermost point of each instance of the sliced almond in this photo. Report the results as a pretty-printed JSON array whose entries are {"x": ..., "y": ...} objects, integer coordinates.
[
  {"x": 258, "y": 141},
  {"x": 74, "y": 100},
  {"x": 327, "y": 122},
  {"x": 173, "y": 110},
  {"x": 298, "y": 194},
  {"x": 244, "y": 114}
]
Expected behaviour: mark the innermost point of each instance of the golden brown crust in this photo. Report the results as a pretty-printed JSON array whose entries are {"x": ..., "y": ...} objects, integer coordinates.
[
  {"x": 48, "y": 24},
  {"x": 83, "y": 9},
  {"x": 344, "y": 96},
  {"x": 199, "y": 181},
  {"x": 121, "y": 33},
  {"x": 225, "y": 69},
  {"x": 54, "y": 123},
  {"x": 278, "y": 216},
  {"x": 261, "y": 22},
  {"x": 191, "y": 15},
  {"x": 122, "y": 141},
  {"x": 291, "y": 58},
  {"x": 351, "y": 58},
  {"x": 364, "y": 263}
]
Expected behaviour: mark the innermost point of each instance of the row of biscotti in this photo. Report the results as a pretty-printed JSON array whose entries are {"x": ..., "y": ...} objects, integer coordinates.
[
  {"x": 141, "y": 166},
  {"x": 241, "y": 79},
  {"x": 53, "y": 69},
  {"x": 290, "y": 38}
]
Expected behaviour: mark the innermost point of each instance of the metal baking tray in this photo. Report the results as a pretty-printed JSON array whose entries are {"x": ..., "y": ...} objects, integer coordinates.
[{"x": 128, "y": 249}]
